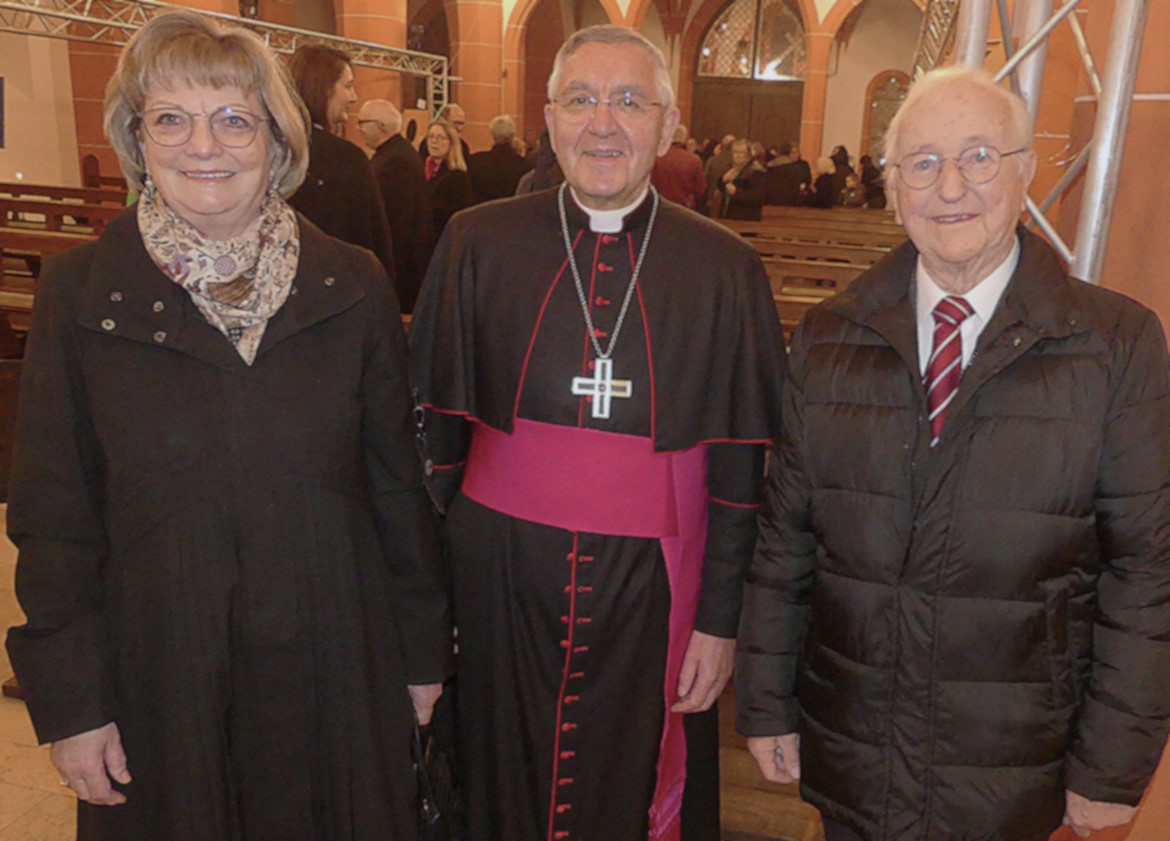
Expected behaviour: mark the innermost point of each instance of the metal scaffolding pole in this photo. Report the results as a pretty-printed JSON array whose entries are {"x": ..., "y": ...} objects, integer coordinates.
[
  {"x": 971, "y": 32},
  {"x": 115, "y": 21},
  {"x": 1029, "y": 19},
  {"x": 1129, "y": 19}
]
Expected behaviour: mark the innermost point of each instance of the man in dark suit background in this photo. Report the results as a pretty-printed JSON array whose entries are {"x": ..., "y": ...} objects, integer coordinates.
[
  {"x": 496, "y": 172},
  {"x": 399, "y": 172}
]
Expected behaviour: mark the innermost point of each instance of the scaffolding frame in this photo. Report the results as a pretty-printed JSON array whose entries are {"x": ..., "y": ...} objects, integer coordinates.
[
  {"x": 965, "y": 24},
  {"x": 113, "y": 22}
]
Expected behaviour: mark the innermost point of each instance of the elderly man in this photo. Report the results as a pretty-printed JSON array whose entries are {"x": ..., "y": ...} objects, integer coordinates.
[
  {"x": 600, "y": 369},
  {"x": 403, "y": 186},
  {"x": 957, "y": 624},
  {"x": 678, "y": 175},
  {"x": 496, "y": 172}
]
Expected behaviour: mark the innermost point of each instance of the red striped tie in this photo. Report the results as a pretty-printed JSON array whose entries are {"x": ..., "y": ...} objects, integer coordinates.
[{"x": 946, "y": 360}]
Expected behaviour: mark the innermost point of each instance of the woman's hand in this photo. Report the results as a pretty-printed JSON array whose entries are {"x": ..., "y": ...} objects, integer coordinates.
[
  {"x": 424, "y": 696},
  {"x": 88, "y": 760},
  {"x": 730, "y": 188}
]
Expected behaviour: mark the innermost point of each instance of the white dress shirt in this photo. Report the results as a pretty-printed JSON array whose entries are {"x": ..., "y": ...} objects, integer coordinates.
[{"x": 984, "y": 298}]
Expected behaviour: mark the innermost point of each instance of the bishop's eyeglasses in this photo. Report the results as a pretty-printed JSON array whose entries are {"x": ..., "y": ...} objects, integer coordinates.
[
  {"x": 231, "y": 127},
  {"x": 626, "y": 105},
  {"x": 977, "y": 165}
]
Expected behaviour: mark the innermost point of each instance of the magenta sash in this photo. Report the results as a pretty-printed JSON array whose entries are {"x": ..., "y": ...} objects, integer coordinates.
[{"x": 610, "y": 483}]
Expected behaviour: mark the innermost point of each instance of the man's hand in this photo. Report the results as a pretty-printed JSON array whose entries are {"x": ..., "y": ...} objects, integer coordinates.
[
  {"x": 706, "y": 667},
  {"x": 88, "y": 760},
  {"x": 1086, "y": 816},
  {"x": 424, "y": 696},
  {"x": 777, "y": 756}
]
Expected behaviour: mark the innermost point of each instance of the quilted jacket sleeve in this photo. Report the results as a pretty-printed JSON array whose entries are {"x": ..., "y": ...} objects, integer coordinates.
[
  {"x": 776, "y": 595},
  {"x": 1122, "y": 725}
]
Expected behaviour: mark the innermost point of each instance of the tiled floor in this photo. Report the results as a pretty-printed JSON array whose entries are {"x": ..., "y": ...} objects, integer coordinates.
[{"x": 33, "y": 805}]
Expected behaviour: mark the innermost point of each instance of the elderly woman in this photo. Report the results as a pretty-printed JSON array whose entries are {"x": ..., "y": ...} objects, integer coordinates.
[
  {"x": 446, "y": 172},
  {"x": 743, "y": 185},
  {"x": 225, "y": 547}
]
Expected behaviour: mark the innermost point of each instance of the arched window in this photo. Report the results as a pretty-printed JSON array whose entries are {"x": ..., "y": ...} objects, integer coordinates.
[
  {"x": 755, "y": 39},
  {"x": 883, "y": 97}
]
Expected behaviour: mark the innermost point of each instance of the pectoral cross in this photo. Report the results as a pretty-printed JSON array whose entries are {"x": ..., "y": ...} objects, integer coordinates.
[{"x": 602, "y": 387}]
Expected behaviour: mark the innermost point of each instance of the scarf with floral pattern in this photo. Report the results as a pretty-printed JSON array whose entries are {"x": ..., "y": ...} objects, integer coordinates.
[{"x": 237, "y": 284}]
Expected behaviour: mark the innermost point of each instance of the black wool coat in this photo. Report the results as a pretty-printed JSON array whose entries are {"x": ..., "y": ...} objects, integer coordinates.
[
  {"x": 961, "y": 633},
  {"x": 403, "y": 186},
  {"x": 340, "y": 196},
  {"x": 234, "y": 564},
  {"x": 496, "y": 172}
]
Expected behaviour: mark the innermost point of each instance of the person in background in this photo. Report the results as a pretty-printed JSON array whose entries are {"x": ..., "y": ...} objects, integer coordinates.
[
  {"x": 678, "y": 175},
  {"x": 716, "y": 166},
  {"x": 227, "y": 560},
  {"x": 453, "y": 115},
  {"x": 496, "y": 172},
  {"x": 743, "y": 185},
  {"x": 403, "y": 187},
  {"x": 854, "y": 194},
  {"x": 843, "y": 166},
  {"x": 787, "y": 178},
  {"x": 957, "y": 621},
  {"x": 821, "y": 194},
  {"x": 339, "y": 194},
  {"x": 448, "y": 183},
  {"x": 545, "y": 173},
  {"x": 874, "y": 182}
]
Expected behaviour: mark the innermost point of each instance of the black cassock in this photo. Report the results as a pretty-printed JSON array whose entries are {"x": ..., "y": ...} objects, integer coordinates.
[{"x": 499, "y": 334}]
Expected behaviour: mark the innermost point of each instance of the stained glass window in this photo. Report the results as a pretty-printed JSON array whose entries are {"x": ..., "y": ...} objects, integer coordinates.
[{"x": 760, "y": 39}]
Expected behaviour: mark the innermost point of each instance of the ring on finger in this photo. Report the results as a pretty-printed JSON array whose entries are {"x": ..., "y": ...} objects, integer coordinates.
[{"x": 64, "y": 782}]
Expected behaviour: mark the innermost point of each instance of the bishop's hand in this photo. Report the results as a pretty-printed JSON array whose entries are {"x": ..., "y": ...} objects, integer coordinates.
[{"x": 706, "y": 668}]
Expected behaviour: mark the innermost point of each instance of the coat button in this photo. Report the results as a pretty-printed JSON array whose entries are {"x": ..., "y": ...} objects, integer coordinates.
[
  {"x": 115, "y": 296},
  {"x": 329, "y": 281},
  {"x": 160, "y": 336},
  {"x": 108, "y": 324},
  {"x": 159, "y": 306}
]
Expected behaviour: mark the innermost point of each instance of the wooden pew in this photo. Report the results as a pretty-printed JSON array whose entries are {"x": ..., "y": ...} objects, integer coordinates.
[
  {"x": 856, "y": 255},
  {"x": 839, "y": 233},
  {"x": 831, "y": 214},
  {"x": 45, "y": 215},
  {"x": 83, "y": 195}
]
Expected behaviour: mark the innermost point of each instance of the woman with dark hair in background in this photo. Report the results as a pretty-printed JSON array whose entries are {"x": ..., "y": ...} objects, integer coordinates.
[{"x": 340, "y": 193}]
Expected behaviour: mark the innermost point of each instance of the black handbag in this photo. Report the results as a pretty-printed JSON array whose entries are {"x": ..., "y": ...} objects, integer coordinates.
[{"x": 440, "y": 804}]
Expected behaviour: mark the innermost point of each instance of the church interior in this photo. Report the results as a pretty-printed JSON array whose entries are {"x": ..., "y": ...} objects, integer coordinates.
[{"x": 822, "y": 73}]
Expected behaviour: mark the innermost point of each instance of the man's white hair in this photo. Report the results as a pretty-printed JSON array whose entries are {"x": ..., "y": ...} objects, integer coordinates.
[
  {"x": 503, "y": 129},
  {"x": 607, "y": 33},
  {"x": 937, "y": 85},
  {"x": 385, "y": 113}
]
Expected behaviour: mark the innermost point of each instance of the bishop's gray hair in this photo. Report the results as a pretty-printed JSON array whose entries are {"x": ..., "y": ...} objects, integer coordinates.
[{"x": 607, "y": 33}]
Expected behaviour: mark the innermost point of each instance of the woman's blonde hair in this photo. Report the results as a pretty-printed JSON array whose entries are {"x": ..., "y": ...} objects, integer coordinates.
[
  {"x": 455, "y": 153},
  {"x": 181, "y": 47}
]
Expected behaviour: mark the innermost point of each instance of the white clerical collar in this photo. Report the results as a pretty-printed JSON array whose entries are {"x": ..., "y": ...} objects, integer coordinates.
[
  {"x": 609, "y": 221},
  {"x": 983, "y": 297}
]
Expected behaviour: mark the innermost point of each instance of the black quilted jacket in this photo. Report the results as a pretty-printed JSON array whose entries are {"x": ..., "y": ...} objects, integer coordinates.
[{"x": 961, "y": 634}]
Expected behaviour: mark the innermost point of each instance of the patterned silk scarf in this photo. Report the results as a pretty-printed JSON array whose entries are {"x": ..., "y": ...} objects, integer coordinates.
[{"x": 237, "y": 284}]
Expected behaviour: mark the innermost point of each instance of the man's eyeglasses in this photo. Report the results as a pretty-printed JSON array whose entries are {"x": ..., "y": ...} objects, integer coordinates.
[
  {"x": 977, "y": 165},
  {"x": 231, "y": 127},
  {"x": 630, "y": 106}
]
